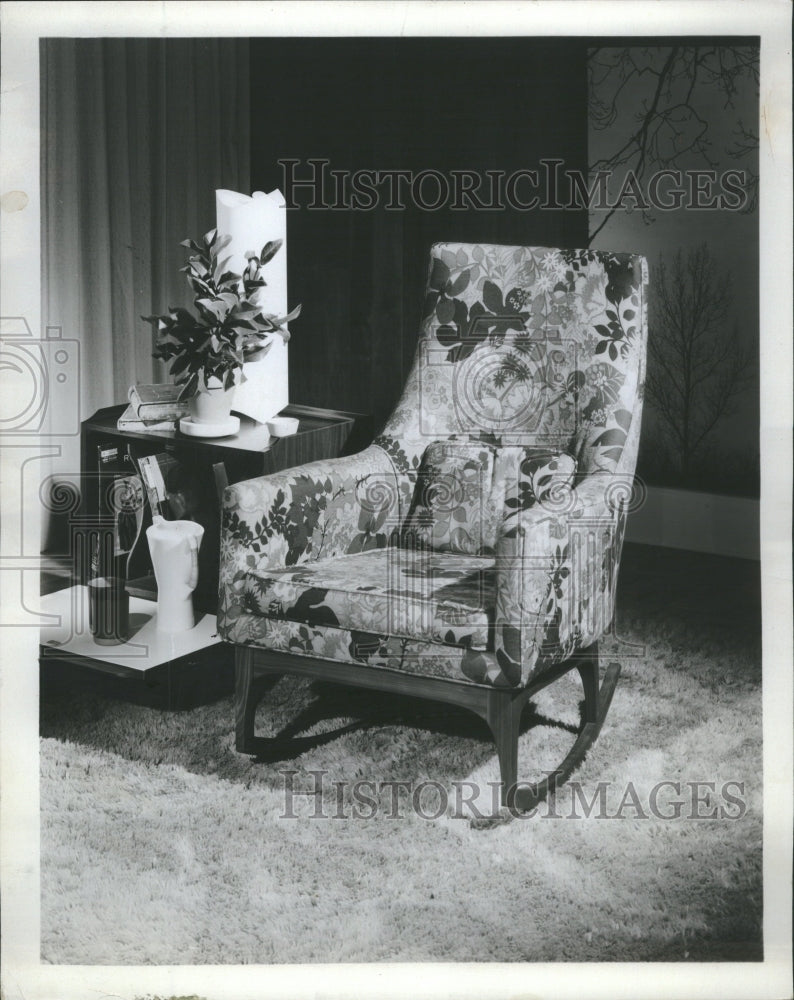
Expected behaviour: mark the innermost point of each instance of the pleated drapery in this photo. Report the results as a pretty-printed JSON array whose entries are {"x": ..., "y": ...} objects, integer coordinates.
[{"x": 136, "y": 136}]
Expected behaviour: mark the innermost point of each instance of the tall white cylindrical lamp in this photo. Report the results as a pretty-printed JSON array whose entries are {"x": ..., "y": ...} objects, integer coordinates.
[{"x": 251, "y": 222}]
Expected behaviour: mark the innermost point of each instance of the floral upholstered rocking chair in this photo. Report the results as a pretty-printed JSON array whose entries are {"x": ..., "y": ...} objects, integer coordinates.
[{"x": 470, "y": 554}]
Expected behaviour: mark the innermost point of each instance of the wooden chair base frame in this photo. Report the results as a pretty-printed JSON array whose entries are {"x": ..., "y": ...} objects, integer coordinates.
[{"x": 257, "y": 670}]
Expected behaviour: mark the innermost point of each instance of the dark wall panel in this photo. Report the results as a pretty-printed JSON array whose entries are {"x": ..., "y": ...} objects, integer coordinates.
[{"x": 410, "y": 104}]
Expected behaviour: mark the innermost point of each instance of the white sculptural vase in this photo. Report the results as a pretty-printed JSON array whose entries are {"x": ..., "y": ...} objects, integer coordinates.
[{"x": 174, "y": 547}]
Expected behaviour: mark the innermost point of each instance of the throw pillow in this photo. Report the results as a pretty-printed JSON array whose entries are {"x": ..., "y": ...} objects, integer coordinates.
[
  {"x": 453, "y": 510},
  {"x": 466, "y": 493}
]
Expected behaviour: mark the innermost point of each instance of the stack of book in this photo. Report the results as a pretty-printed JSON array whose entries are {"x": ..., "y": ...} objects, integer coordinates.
[{"x": 154, "y": 408}]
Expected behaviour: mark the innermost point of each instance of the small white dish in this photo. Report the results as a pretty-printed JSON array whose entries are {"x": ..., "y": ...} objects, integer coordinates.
[
  {"x": 281, "y": 427},
  {"x": 220, "y": 428}
]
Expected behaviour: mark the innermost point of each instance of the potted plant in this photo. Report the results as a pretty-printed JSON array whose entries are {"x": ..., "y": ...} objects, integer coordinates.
[{"x": 207, "y": 351}]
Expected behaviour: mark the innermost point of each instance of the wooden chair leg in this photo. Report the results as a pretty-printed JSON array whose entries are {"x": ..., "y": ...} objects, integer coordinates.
[
  {"x": 597, "y": 702},
  {"x": 251, "y": 684},
  {"x": 503, "y": 715},
  {"x": 244, "y": 702},
  {"x": 255, "y": 675},
  {"x": 588, "y": 671}
]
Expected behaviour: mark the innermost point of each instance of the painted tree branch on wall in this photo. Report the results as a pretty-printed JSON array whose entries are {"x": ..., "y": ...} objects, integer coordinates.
[
  {"x": 656, "y": 103},
  {"x": 697, "y": 364}
]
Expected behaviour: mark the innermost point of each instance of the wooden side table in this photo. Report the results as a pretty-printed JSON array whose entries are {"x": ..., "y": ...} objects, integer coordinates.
[{"x": 107, "y": 453}]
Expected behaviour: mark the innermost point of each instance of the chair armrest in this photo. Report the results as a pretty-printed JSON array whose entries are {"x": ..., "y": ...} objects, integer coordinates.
[
  {"x": 556, "y": 575},
  {"x": 314, "y": 511}
]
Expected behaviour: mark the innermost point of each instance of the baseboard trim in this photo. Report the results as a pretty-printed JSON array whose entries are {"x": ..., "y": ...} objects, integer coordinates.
[{"x": 702, "y": 522}]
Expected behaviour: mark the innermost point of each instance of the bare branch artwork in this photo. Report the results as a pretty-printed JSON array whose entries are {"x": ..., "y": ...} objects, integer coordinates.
[
  {"x": 697, "y": 365},
  {"x": 669, "y": 126}
]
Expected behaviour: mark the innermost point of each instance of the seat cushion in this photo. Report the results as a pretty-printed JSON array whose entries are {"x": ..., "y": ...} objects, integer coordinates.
[
  {"x": 365, "y": 649},
  {"x": 416, "y": 594}
]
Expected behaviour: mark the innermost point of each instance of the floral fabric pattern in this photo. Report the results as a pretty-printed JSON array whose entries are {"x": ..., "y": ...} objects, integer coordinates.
[
  {"x": 385, "y": 652},
  {"x": 317, "y": 511},
  {"x": 556, "y": 577},
  {"x": 543, "y": 477},
  {"x": 528, "y": 379},
  {"x": 465, "y": 493},
  {"x": 453, "y": 510},
  {"x": 393, "y": 591},
  {"x": 527, "y": 346}
]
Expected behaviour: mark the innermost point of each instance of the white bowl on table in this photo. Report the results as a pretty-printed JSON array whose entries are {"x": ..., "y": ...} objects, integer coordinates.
[{"x": 283, "y": 426}]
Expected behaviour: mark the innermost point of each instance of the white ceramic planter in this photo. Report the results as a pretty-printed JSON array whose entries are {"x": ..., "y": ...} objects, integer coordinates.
[{"x": 212, "y": 405}]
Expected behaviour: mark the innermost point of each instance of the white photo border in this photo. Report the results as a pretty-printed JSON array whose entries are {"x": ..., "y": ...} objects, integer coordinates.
[{"x": 22, "y": 25}]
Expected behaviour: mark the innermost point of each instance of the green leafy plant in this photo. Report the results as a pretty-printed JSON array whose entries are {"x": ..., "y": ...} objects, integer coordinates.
[{"x": 229, "y": 328}]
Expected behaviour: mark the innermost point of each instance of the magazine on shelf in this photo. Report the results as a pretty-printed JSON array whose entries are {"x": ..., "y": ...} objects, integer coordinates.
[
  {"x": 171, "y": 487},
  {"x": 121, "y": 500}
]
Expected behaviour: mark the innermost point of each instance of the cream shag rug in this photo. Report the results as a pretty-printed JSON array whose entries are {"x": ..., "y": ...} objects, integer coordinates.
[{"x": 161, "y": 845}]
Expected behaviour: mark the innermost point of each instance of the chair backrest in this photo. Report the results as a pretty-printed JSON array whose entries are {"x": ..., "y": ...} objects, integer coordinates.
[{"x": 527, "y": 346}]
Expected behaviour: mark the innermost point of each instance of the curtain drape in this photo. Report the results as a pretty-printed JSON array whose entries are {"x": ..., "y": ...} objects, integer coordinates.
[
  {"x": 136, "y": 136},
  {"x": 412, "y": 104}
]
